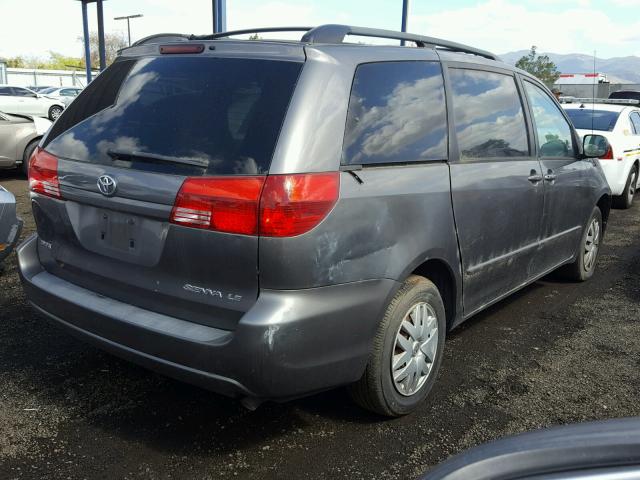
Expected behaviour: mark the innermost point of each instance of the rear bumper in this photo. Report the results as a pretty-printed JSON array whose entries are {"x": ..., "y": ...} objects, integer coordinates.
[
  {"x": 7, "y": 244},
  {"x": 290, "y": 343},
  {"x": 616, "y": 173}
]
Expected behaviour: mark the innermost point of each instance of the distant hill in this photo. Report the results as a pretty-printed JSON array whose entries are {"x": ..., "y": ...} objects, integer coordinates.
[{"x": 618, "y": 70}]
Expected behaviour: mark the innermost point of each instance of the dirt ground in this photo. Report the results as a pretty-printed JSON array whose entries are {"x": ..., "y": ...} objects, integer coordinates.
[{"x": 554, "y": 353}]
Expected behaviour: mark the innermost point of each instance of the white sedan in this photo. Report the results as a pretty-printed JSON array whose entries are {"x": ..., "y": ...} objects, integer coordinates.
[
  {"x": 20, "y": 100},
  {"x": 619, "y": 122}
]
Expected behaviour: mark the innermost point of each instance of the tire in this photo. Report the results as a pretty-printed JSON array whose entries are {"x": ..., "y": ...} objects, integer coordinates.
[
  {"x": 27, "y": 155},
  {"x": 584, "y": 266},
  {"x": 376, "y": 390},
  {"x": 54, "y": 112},
  {"x": 626, "y": 199}
]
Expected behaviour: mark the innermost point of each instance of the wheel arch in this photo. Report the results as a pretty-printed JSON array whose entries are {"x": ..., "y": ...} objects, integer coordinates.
[
  {"x": 442, "y": 275},
  {"x": 604, "y": 204}
]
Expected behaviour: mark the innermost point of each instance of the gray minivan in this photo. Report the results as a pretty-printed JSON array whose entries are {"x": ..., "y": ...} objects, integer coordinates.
[{"x": 269, "y": 219}]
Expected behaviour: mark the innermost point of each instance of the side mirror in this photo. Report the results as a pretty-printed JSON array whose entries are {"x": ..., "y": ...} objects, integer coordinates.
[{"x": 595, "y": 146}]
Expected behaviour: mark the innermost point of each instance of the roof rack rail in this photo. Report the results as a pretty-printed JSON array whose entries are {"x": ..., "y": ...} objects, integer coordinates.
[
  {"x": 332, "y": 33},
  {"x": 232, "y": 33},
  {"x": 162, "y": 37}
]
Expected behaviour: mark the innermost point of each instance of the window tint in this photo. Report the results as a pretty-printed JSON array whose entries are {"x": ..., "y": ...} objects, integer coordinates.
[
  {"x": 67, "y": 92},
  {"x": 180, "y": 115},
  {"x": 488, "y": 115},
  {"x": 588, "y": 119},
  {"x": 5, "y": 91},
  {"x": 625, "y": 95},
  {"x": 554, "y": 132},
  {"x": 21, "y": 92},
  {"x": 635, "y": 122},
  {"x": 397, "y": 113}
]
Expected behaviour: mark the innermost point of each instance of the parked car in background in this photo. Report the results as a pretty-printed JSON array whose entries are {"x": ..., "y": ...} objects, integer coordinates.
[
  {"x": 606, "y": 450},
  {"x": 271, "y": 219},
  {"x": 27, "y": 102},
  {"x": 40, "y": 88},
  {"x": 10, "y": 223},
  {"x": 64, "y": 94},
  {"x": 625, "y": 95},
  {"x": 619, "y": 122},
  {"x": 19, "y": 137}
]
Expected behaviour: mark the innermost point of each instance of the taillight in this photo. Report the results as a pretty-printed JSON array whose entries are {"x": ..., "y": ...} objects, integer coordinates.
[
  {"x": 294, "y": 204},
  {"x": 43, "y": 174},
  {"x": 225, "y": 204},
  {"x": 273, "y": 206},
  {"x": 608, "y": 155}
]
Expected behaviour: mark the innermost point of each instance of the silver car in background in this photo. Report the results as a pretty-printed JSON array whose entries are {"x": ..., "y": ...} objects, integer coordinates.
[
  {"x": 10, "y": 223},
  {"x": 19, "y": 136}
]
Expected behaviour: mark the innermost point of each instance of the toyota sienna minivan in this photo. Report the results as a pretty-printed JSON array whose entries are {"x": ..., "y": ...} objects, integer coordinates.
[{"x": 269, "y": 219}]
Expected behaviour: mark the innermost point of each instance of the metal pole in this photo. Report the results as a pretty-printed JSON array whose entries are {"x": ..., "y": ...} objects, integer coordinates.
[
  {"x": 219, "y": 11},
  {"x": 129, "y": 31},
  {"x": 405, "y": 14},
  {"x": 101, "y": 47},
  {"x": 87, "y": 50}
]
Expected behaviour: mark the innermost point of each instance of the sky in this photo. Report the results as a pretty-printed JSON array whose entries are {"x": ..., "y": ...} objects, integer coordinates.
[{"x": 612, "y": 28}]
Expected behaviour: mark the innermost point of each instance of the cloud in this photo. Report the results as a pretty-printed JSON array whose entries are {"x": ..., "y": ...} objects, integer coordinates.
[{"x": 501, "y": 26}]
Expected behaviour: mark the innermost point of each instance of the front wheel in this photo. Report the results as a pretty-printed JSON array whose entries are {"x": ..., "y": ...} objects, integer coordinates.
[
  {"x": 626, "y": 199},
  {"x": 55, "y": 112},
  {"x": 406, "y": 353},
  {"x": 584, "y": 266}
]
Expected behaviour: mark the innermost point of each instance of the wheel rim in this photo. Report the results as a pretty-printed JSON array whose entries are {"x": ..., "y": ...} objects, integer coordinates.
[
  {"x": 591, "y": 244},
  {"x": 415, "y": 348},
  {"x": 632, "y": 185},
  {"x": 55, "y": 113}
]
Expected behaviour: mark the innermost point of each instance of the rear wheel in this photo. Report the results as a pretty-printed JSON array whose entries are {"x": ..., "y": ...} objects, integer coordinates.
[
  {"x": 55, "y": 112},
  {"x": 27, "y": 155},
  {"x": 584, "y": 266},
  {"x": 626, "y": 199},
  {"x": 407, "y": 351}
]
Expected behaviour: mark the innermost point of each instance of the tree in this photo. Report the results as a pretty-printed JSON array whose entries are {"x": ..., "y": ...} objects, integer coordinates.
[
  {"x": 540, "y": 66},
  {"x": 112, "y": 43}
]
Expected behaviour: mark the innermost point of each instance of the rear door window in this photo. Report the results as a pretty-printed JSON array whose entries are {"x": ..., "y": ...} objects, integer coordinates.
[
  {"x": 488, "y": 115},
  {"x": 397, "y": 114},
  {"x": 179, "y": 115}
]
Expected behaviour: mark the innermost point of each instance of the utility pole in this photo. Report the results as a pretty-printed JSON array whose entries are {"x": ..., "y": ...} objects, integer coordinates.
[
  {"x": 127, "y": 18},
  {"x": 405, "y": 14}
]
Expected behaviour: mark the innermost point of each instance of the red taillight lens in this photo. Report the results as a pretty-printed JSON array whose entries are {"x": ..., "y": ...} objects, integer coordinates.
[
  {"x": 273, "y": 206},
  {"x": 294, "y": 204},
  {"x": 608, "y": 155},
  {"x": 43, "y": 174},
  {"x": 225, "y": 204}
]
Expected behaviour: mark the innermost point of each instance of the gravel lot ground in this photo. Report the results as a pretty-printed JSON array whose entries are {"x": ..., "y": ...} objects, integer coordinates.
[{"x": 554, "y": 353}]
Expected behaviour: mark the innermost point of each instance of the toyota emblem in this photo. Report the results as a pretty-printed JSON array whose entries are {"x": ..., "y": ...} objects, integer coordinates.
[{"x": 107, "y": 185}]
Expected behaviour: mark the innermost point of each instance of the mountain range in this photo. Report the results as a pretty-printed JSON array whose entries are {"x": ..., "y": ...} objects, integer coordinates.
[{"x": 618, "y": 69}]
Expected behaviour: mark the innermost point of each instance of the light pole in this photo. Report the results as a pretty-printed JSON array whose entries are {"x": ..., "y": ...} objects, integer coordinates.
[
  {"x": 405, "y": 15},
  {"x": 127, "y": 18}
]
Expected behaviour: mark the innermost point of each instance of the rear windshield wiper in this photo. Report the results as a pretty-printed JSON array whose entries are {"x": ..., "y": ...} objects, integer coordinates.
[{"x": 145, "y": 156}]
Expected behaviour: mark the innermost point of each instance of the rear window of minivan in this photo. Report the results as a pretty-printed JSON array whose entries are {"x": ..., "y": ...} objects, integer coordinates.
[{"x": 179, "y": 115}]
